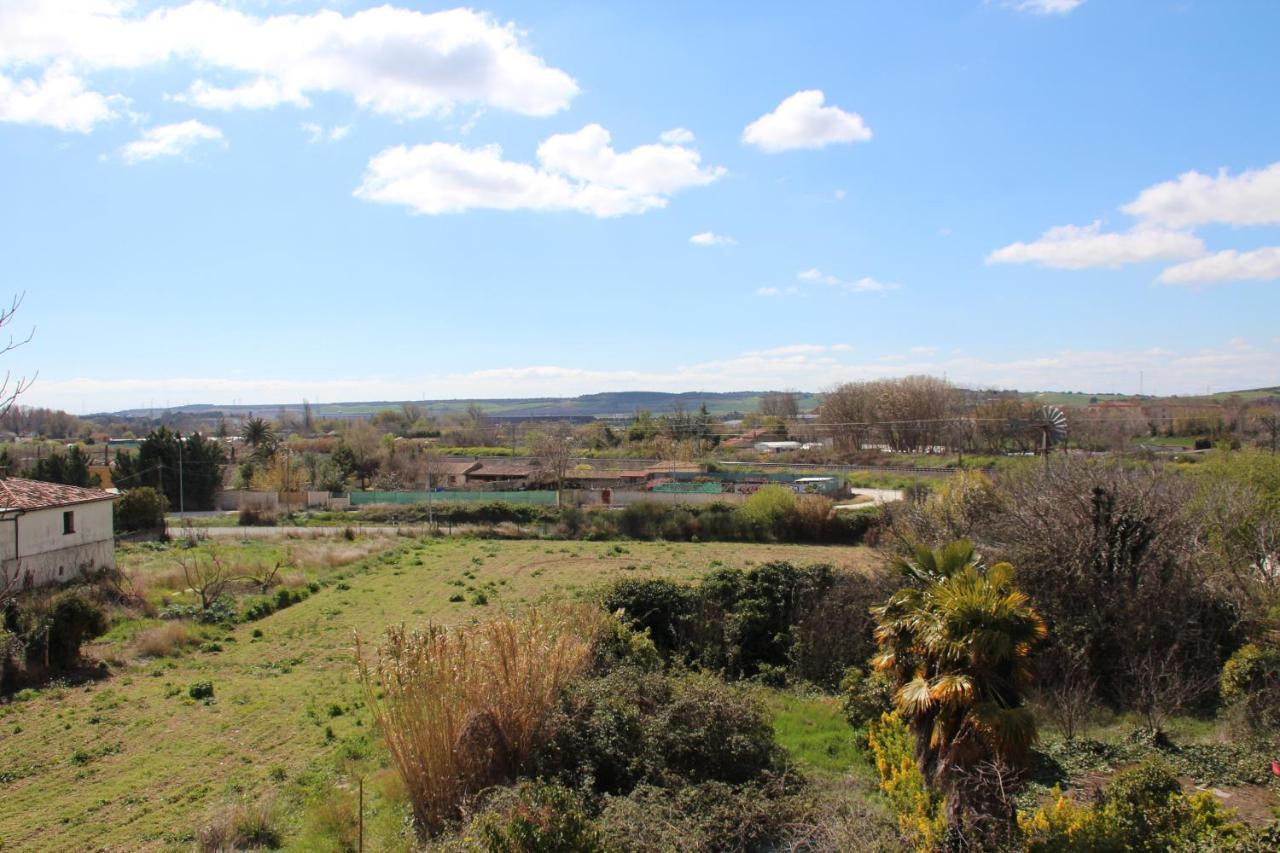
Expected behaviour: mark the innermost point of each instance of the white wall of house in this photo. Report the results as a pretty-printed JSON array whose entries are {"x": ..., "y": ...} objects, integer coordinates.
[{"x": 47, "y": 554}]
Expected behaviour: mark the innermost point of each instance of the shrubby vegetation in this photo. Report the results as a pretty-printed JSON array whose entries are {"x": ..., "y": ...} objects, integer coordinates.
[
  {"x": 773, "y": 622},
  {"x": 772, "y": 514}
]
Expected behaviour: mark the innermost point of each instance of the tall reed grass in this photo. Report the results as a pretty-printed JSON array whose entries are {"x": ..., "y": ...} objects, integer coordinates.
[{"x": 462, "y": 709}]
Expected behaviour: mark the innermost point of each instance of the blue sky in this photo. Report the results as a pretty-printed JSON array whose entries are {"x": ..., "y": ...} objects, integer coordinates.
[{"x": 266, "y": 201}]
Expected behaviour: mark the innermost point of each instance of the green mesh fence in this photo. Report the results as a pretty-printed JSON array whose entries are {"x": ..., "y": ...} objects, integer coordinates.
[{"x": 535, "y": 498}]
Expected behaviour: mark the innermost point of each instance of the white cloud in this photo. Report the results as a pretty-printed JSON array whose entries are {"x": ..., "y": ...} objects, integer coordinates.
[
  {"x": 1235, "y": 364},
  {"x": 1250, "y": 198},
  {"x": 710, "y": 238},
  {"x": 1074, "y": 247},
  {"x": 777, "y": 291},
  {"x": 1046, "y": 7},
  {"x": 390, "y": 60},
  {"x": 58, "y": 99},
  {"x": 866, "y": 284},
  {"x": 262, "y": 93},
  {"x": 577, "y": 171},
  {"x": 169, "y": 140},
  {"x": 318, "y": 133},
  {"x": 1258, "y": 265},
  {"x": 677, "y": 136},
  {"x": 801, "y": 121}
]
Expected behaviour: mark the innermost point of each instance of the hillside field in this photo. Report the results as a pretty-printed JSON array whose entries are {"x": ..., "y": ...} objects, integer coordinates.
[{"x": 131, "y": 761}]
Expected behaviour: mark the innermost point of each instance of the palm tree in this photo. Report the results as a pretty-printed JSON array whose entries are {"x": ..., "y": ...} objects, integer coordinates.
[
  {"x": 260, "y": 435},
  {"x": 957, "y": 644}
]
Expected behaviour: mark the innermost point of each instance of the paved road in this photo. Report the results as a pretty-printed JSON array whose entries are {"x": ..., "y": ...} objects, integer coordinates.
[{"x": 177, "y": 531}]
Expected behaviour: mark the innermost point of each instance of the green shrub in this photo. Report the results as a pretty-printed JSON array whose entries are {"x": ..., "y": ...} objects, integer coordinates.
[
  {"x": 631, "y": 727},
  {"x": 534, "y": 818},
  {"x": 200, "y": 690},
  {"x": 1143, "y": 809},
  {"x": 866, "y": 697},
  {"x": 142, "y": 508},
  {"x": 661, "y": 608},
  {"x": 72, "y": 619},
  {"x": 711, "y": 816},
  {"x": 1250, "y": 685},
  {"x": 766, "y": 511}
]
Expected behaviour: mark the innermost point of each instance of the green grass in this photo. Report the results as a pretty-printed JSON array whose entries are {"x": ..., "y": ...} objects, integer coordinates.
[
  {"x": 132, "y": 762},
  {"x": 815, "y": 733}
]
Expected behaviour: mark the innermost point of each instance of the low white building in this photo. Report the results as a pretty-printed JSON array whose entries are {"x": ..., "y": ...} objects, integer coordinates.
[
  {"x": 776, "y": 446},
  {"x": 50, "y": 533}
]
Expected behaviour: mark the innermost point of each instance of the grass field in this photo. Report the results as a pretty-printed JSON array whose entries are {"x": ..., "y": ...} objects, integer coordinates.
[{"x": 131, "y": 761}]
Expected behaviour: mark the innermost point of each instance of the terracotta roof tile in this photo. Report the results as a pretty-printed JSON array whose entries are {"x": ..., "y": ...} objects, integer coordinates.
[{"x": 17, "y": 493}]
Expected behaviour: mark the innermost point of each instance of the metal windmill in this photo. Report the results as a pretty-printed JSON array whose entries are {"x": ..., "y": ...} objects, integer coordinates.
[
  {"x": 1052, "y": 424},
  {"x": 1049, "y": 422}
]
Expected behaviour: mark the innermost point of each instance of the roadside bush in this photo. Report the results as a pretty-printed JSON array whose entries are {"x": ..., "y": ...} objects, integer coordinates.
[
  {"x": 766, "y": 511},
  {"x": 142, "y": 508},
  {"x": 534, "y": 818},
  {"x": 253, "y": 517}
]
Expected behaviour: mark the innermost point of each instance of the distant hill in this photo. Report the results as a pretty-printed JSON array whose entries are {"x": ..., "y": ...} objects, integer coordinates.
[
  {"x": 609, "y": 404},
  {"x": 618, "y": 404}
]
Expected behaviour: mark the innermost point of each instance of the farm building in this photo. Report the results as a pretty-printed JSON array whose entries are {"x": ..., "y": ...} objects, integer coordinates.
[
  {"x": 504, "y": 473},
  {"x": 50, "y": 533},
  {"x": 451, "y": 475}
]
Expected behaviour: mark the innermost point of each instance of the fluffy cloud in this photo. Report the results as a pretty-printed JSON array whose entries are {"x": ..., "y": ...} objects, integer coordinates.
[
  {"x": 1046, "y": 7},
  {"x": 390, "y": 60},
  {"x": 1258, "y": 265},
  {"x": 58, "y": 99},
  {"x": 801, "y": 121},
  {"x": 169, "y": 140},
  {"x": 1073, "y": 247},
  {"x": 576, "y": 171},
  {"x": 710, "y": 238},
  {"x": 677, "y": 136},
  {"x": 866, "y": 284},
  {"x": 1250, "y": 198},
  {"x": 262, "y": 93}
]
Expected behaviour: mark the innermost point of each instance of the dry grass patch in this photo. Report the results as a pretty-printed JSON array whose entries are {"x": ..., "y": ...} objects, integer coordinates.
[
  {"x": 163, "y": 640},
  {"x": 462, "y": 709}
]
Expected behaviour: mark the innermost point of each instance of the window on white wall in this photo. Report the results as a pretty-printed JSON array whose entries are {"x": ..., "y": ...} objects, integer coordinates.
[{"x": 68, "y": 523}]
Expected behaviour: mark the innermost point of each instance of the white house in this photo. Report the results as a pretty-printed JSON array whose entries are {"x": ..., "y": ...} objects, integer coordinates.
[
  {"x": 50, "y": 533},
  {"x": 776, "y": 446}
]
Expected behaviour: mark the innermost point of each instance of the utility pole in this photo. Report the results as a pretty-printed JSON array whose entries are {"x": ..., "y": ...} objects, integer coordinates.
[{"x": 182, "y": 498}]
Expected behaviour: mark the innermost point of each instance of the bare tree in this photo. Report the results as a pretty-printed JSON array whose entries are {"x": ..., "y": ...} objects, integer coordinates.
[
  {"x": 1269, "y": 424},
  {"x": 1159, "y": 685},
  {"x": 10, "y": 388},
  {"x": 553, "y": 446},
  {"x": 1067, "y": 699},
  {"x": 207, "y": 575},
  {"x": 780, "y": 404}
]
